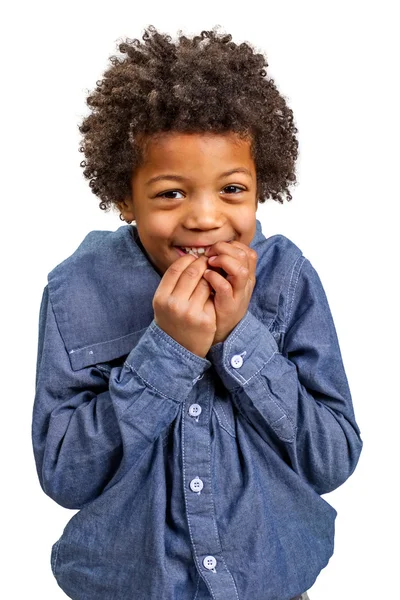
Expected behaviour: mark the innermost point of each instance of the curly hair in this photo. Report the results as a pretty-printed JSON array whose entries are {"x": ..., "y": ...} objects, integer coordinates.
[{"x": 204, "y": 84}]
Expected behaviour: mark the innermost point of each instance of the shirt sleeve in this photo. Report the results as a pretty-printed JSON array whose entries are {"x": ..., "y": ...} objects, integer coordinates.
[
  {"x": 298, "y": 399},
  {"x": 88, "y": 424}
]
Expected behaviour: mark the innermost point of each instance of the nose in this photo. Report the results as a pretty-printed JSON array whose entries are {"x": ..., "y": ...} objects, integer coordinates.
[{"x": 204, "y": 213}]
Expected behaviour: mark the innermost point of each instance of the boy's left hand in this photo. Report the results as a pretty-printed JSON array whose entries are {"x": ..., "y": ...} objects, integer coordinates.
[{"x": 232, "y": 295}]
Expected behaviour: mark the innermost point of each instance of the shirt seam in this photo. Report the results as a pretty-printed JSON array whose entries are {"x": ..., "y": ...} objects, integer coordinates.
[
  {"x": 175, "y": 345},
  {"x": 153, "y": 387},
  {"x": 221, "y": 424},
  {"x": 291, "y": 294}
]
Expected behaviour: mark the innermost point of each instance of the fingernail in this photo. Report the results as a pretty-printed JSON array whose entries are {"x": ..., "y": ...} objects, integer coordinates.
[{"x": 212, "y": 258}]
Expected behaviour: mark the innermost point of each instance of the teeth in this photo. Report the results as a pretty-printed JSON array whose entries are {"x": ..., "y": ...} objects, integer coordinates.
[{"x": 195, "y": 251}]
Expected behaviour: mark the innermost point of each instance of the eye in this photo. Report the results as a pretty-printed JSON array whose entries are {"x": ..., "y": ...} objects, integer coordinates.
[
  {"x": 164, "y": 194},
  {"x": 235, "y": 186}
]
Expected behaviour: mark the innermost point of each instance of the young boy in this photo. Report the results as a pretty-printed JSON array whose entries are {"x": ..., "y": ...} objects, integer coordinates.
[{"x": 191, "y": 398}]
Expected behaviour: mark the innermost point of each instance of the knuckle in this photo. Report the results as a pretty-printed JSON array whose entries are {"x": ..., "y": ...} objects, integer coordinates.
[
  {"x": 204, "y": 283},
  {"x": 172, "y": 304},
  {"x": 243, "y": 270},
  {"x": 192, "y": 272},
  {"x": 225, "y": 287},
  {"x": 174, "y": 269},
  {"x": 242, "y": 253},
  {"x": 253, "y": 254},
  {"x": 191, "y": 316},
  {"x": 158, "y": 300}
]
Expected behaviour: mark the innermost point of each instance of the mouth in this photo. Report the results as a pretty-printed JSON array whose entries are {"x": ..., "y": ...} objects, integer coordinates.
[
  {"x": 194, "y": 251},
  {"x": 197, "y": 252}
]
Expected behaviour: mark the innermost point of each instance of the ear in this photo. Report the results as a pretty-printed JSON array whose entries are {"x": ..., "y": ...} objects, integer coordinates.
[{"x": 126, "y": 209}]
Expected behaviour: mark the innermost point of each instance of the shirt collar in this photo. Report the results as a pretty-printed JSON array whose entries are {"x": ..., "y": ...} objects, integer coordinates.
[{"x": 102, "y": 295}]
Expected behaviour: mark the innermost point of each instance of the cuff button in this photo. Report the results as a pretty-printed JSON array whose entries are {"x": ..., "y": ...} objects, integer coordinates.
[{"x": 236, "y": 361}]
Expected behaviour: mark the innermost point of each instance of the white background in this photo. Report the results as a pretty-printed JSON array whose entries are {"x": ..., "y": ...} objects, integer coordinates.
[{"x": 337, "y": 64}]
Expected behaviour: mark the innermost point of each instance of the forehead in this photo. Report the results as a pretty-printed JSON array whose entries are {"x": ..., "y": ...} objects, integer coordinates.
[{"x": 179, "y": 149}]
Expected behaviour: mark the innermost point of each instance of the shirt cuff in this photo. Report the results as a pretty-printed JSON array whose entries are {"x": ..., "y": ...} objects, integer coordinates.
[
  {"x": 244, "y": 353},
  {"x": 162, "y": 363}
]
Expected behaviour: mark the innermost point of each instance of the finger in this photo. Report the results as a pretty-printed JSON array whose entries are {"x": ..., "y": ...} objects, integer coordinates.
[
  {"x": 252, "y": 257},
  {"x": 201, "y": 294},
  {"x": 189, "y": 278},
  {"x": 229, "y": 248},
  {"x": 222, "y": 288},
  {"x": 173, "y": 273},
  {"x": 237, "y": 272},
  {"x": 235, "y": 249}
]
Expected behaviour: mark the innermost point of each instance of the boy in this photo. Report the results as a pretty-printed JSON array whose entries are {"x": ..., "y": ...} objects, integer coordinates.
[{"x": 191, "y": 399}]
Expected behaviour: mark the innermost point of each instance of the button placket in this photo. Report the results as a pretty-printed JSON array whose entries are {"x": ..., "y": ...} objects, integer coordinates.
[{"x": 200, "y": 507}]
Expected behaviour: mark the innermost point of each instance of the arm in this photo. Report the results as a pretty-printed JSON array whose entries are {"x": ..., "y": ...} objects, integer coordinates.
[
  {"x": 298, "y": 400},
  {"x": 87, "y": 424}
]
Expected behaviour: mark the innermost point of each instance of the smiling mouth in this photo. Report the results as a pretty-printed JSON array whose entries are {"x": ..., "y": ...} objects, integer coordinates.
[
  {"x": 217, "y": 269},
  {"x": 196, "y": 251}
]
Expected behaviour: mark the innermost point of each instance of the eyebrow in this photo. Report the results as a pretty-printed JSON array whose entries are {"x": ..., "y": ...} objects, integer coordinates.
[{"x": 181, "y": 178}]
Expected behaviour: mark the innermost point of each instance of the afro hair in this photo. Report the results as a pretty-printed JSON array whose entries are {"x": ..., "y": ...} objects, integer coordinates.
[{"x": 204, "y": 84}]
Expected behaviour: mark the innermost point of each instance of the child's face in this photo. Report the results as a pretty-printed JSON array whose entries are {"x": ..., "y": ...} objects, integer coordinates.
[{"x": 200, "y": 208}]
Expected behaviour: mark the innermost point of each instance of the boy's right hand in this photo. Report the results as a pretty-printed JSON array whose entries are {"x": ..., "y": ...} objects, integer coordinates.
[{"x": 183, "y": 307}]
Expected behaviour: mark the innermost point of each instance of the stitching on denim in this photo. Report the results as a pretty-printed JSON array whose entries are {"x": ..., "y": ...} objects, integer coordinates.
[
  {"x": 185, "y": 493},
  {"x": 286, "y": 310},
  {"x": 226, "y": 418},
  {"x": 239, "y": 378},
  {"x": 285, "y": 439},
  {"x": 246, "y": 381},
  {"x": 213, "y": 503},
  {"x": 238, "y": 402},
  {"x": 210, "y": 480},
  {"x": 55, "y": 557},
  {"x": 236, "y": 376},
  {"x": 289, "y": 308},
  {"x": 277, "y": 420},
  {"x": 149, "y": 384},
  {"x": 230, "y": 574},
  {"x": 221, "y": 424},
  {"x": 183, "y": 352},
  {"x": 104, "y": 342},
  {"x": 103, "y": 369},
  {"x": 197, "y": 589},
  {"x": 239, "y": 330}
]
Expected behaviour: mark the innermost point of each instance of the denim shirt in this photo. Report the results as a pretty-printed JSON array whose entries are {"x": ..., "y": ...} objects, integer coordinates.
[{"x": 196, "y": 478}]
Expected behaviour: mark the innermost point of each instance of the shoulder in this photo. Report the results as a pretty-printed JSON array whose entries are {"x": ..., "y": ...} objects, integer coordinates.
[
  {"x": 278, "y": 258},
  {"x": 96, "y": 245},
  {"x": 279, "y": 264},
  {"x": 101, "y": 296}
]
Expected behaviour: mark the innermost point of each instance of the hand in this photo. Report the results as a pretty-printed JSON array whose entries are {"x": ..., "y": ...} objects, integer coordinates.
[
  {"x": 232, "y": 295},
  {"x": 183, "y": 307}
]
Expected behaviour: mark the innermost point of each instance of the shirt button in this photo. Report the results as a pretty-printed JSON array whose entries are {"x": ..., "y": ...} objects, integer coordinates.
[
  {"x": 209, "y": 562},
  {"x": 196, "y": 485},
  {"x": 194, "y": 410},
  {"x": 236, "y": 361}
]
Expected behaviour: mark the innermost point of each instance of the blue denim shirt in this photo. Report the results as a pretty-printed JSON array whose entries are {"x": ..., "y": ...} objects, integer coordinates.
[{"x": 196, "y": 478}]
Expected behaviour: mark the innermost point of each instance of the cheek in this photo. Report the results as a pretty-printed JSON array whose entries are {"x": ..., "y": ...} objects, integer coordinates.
[
  {"x": 156, "y": 229},
  {"x": 247, "y": 226}
]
